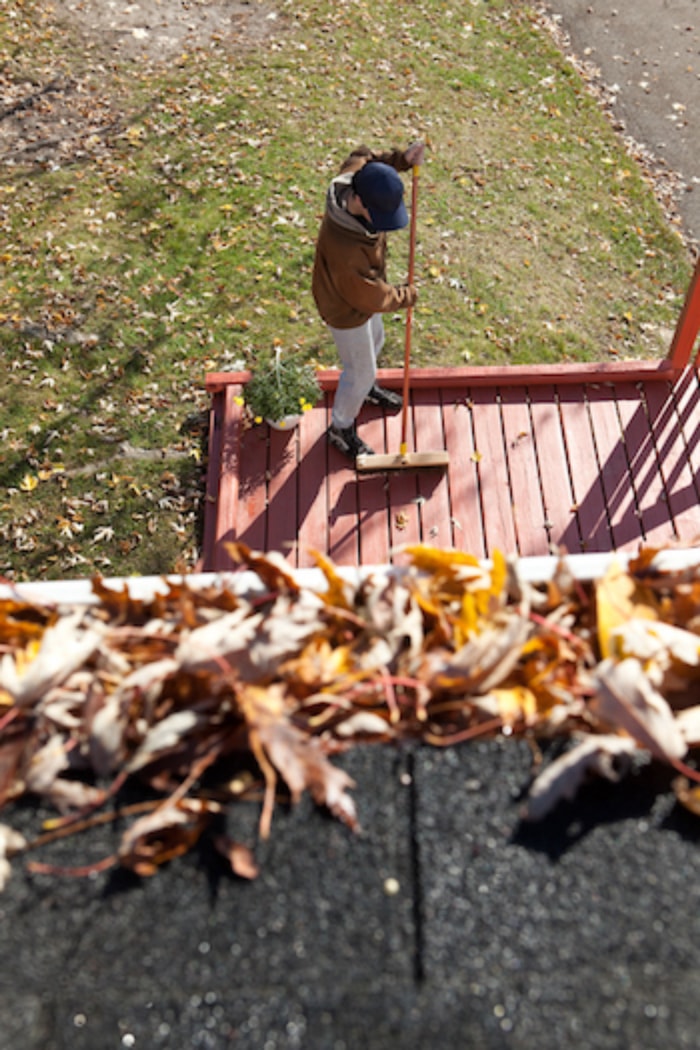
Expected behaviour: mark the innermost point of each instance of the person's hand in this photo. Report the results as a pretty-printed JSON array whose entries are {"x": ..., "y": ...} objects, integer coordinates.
[{"x": 415, "y": 154}]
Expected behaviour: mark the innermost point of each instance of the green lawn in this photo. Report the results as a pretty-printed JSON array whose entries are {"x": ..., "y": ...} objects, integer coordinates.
[{"x": 178, "y": 239}]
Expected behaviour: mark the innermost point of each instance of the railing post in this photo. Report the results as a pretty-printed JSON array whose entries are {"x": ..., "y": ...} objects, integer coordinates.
[{"x": 688, "y": 324}]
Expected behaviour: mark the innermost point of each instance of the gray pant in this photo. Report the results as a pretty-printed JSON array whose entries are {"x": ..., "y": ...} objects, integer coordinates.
[{"x": 358, "y": 350}]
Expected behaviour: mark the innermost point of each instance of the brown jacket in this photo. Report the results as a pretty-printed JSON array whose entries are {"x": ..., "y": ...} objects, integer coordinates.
[{"x": 349, "y": 279}]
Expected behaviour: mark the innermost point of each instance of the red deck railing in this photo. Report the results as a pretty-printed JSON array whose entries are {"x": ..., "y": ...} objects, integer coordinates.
[{"x": 685, "y": 336}]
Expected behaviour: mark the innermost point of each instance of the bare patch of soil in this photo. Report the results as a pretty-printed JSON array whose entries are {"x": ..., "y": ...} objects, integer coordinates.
[
  {"x": 49, "y": 118},
  {"x": 160, "y": 29},
  {"x": 51, "y": 121}
]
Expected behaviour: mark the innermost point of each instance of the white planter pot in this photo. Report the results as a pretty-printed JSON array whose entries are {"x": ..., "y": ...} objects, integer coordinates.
[{"x": 286, "y": 423}]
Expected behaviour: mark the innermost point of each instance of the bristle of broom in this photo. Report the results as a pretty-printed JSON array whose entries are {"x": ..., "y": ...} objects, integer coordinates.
[{"x": 368, "y": 463}]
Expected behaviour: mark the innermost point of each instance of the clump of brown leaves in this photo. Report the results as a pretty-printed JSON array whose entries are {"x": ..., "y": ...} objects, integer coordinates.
[{"x": 177, "y": 693}]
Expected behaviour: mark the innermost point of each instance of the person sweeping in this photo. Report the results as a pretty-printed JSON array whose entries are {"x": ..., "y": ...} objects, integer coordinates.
[{"x": 363, "y": 203}]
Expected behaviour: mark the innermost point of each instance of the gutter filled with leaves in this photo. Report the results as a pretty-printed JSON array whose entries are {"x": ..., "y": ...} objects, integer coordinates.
[{"x": 192, "y": 694}]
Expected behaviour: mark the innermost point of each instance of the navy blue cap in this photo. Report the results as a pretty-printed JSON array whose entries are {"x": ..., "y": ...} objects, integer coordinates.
[{"x": 380, "y": 188}]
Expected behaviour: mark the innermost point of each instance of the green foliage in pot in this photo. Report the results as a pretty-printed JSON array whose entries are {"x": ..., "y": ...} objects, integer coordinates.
[{"x": 281, "y": 385}]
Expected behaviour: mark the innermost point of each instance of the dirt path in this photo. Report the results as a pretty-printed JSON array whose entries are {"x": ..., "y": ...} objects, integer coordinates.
[
  {"x": 157, "y": 30},
  {"x": 51, "y": 115}
]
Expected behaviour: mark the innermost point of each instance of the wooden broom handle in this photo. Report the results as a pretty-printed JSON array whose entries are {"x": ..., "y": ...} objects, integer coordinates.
[{"x": 409, "y": 311}]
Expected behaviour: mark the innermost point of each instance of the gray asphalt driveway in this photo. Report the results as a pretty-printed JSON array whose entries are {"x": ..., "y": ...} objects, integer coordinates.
[{"x": 647, "y": 57}]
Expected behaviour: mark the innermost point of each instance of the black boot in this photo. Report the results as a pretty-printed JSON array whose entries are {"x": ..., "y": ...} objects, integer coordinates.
[
  {"x": 384, "y": 398},
  {"x": 347, "y": 441}
]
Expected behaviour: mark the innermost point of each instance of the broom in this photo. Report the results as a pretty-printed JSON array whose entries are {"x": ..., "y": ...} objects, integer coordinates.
[{"x": 403, "y": 459}]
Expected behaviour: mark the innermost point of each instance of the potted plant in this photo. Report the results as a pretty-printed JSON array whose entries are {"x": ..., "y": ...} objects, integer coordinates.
[{"x": 281, "y": 389}]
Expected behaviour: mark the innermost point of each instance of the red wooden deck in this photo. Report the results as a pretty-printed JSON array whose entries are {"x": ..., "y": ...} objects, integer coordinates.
[{"x": 542, "y": 459}]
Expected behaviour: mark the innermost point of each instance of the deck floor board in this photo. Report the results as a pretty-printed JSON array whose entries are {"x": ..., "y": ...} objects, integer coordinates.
[
  {"x": 672, "y": 460},
  {"x": 611, "y": 454},
  {"x": 539, "y": 461},
  {"x": 494, "y": 477},
  {"x": 250, "y": 513},
  {"x": 686, "y": 394},
  {"x": 523, "y": 469},
  {"x": 466, "y": 511},
  {"x": 590, "y": 527},
  {"x": 312, "y": 532},
  {"x": 647, "y": 499},
  {"x": 433, "y": 485},
  {"x": 553, "y": 465}
]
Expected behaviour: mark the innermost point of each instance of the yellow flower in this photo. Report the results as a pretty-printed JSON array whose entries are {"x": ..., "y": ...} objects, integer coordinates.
[{"x": 238, "y": 400}]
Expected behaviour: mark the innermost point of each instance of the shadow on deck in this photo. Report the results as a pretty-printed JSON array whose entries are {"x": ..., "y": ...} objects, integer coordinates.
[{"x": 543, "y": 459}]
